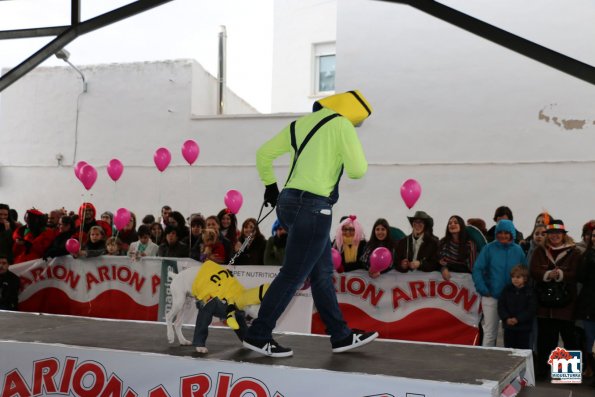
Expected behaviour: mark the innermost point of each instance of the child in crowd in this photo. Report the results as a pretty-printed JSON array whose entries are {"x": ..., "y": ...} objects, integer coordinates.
[
  {"x": 144, "y": 246},
  {"x": 212, "y": 247},
  {"x": 517, "y": 307},
  {"x": 113, "y": 246},
  {"x": 96, "y": 244}
]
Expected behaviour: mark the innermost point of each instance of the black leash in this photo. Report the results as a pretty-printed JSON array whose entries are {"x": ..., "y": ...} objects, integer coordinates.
[{"x": 246, "y": 242}]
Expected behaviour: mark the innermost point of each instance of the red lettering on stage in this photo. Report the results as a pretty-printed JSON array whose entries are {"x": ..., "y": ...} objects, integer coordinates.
[
  {"x": 80, "y": 387},
  {"x": 159, "y": 391},
  {"x": 155, "y": 283},
  {"x": 245, "y": 385},
  {"x": 113, "y": 388},
  {"x": 223, "y": 382},
  {"x": 417, "y": 289},
  {"x": 241, "y": 387},
  {"x": 467, "y": 298},
  {"x": 398, "y": 295},
  {"x": 130, "y": 393},
  {"x": 43, "y": 376},
  {"x": 195, "y": 385},
  {"x": 67, "y": 374},
  {"x": 91, "y": 279},
  {"x": 15, "y": 385}
]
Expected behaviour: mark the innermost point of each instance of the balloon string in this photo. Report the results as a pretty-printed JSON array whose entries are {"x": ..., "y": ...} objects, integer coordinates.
[
  {"x": 190, "y": 211},
  {"x": 82, "y": 222}
]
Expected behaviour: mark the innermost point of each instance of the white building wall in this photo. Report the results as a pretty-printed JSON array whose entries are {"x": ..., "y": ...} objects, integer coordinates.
[
  {"x": 128, "y": 112},
  {"x": 473, "y": 122},
  {"x": 477, "y": 125},
  {"x": 298, "y": 25}
]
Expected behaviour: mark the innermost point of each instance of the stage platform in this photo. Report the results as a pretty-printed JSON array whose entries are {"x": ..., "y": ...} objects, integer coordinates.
[{"x": 139, "y": 352}]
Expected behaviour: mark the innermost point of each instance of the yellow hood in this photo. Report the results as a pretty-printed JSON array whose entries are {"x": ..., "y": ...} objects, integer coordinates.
[{"x": 351, "y": 105}]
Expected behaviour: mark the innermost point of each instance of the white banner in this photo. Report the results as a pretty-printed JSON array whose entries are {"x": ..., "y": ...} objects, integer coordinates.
[
  {"x": 409, "y": 306},
  {"x": 30, "y": 369},
  {"x": 121, "y": 288}
]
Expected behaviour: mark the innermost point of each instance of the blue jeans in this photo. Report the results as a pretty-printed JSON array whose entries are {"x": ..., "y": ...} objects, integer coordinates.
[
  {"x": 307, "y": 218},
  {"x": 214, "y": 308}
]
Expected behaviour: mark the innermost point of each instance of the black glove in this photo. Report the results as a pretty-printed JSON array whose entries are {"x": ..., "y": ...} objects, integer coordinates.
[{"x": 271, "y": 194}]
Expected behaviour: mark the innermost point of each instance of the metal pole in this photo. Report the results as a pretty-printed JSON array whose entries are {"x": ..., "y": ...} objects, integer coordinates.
[{"x": 222, "y": 70}]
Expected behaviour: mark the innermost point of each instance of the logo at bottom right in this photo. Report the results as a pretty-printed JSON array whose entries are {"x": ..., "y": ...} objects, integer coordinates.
[{"x": 566, "y": 366}]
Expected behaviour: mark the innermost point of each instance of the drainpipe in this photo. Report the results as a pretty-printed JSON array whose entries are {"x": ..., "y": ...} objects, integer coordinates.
[{"x": 221, "y": 71}]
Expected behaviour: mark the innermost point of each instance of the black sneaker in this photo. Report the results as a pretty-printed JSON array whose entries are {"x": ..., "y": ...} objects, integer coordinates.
[
  {"x": 268, "y": 348},
  {"x": 356, "y": 339}
]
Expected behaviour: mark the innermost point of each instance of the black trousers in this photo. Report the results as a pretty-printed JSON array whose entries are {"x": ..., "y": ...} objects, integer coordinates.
[{"x": 549, "y": 332}]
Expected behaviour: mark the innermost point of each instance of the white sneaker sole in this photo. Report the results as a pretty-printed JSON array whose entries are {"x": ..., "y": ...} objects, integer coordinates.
[
  {"x": 265, "y": 352},
  {"x": 356, "y": 345}
]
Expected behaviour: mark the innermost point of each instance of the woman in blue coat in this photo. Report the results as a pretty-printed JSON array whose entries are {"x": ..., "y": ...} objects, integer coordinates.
[{"x": 491, "y": 274}]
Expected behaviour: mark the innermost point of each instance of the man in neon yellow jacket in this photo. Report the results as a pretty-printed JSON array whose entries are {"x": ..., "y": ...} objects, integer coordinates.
[{"x": 322, "y": 144}]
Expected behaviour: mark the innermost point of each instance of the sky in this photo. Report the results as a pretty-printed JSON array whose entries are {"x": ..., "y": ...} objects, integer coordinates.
[{"x": 180, "y": 29}]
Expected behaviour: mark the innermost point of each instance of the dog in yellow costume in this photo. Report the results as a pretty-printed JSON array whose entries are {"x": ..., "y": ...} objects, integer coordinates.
[{"x": 218, "y": 294}]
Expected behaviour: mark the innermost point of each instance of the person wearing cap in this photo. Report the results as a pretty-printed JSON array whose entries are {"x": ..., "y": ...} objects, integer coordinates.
[
  {"x": 274, "y": 252},
  {"x": 322, "y": 145},
  {"x": 491, "y": 274},
  {"x": 419, "y": 250},
  {"x": 557, "y": 260},
  {"x": 33, "y": 239}
]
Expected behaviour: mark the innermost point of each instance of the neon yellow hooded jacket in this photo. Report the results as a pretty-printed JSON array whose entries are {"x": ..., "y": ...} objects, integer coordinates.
[{"x": 336, "y": 144}]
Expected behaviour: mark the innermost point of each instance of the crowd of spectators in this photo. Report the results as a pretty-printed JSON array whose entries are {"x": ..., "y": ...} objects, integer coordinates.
[{"x": 508, "y": 269}]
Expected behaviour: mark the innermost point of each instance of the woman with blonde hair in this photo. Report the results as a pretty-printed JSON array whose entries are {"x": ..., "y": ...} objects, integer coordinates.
[
  {"x": 351, "y": 243},
  {"x": 555, "y": 262}
]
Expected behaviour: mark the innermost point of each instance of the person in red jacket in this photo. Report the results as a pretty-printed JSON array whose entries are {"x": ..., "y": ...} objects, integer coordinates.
[
  {"x": 32, "y": 239},
  {"x": 86, "y": 220}
]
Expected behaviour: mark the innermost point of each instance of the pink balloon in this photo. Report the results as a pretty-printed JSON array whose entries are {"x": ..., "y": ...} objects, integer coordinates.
[
  {"x": 380, "y": 259},
  {"x": 410, "y": 192},
  {"x": 233, "y": 201},
  {"x": 162, "y": 157},
  {"x": 121, "y": 218},
  {"x": 115, "y": 169},
  {"x": 190, "y": 151},
  {"x": 77, "y": 169},
  {"x": 337, "y": 260},
  {"x": 73, "y": 246},
  {"x": 88, "y": 176}
]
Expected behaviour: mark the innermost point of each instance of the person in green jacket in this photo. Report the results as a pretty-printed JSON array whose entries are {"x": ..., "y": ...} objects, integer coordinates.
[{"x": 323, "y": 145}]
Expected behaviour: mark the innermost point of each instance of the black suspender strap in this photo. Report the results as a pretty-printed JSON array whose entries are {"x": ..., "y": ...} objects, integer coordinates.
[{"x": 299, "y": 150}]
